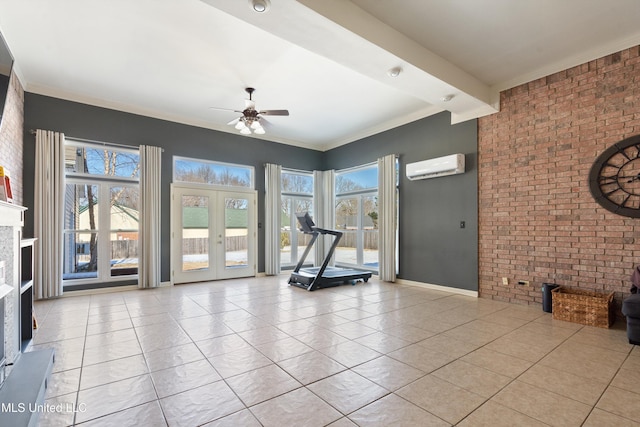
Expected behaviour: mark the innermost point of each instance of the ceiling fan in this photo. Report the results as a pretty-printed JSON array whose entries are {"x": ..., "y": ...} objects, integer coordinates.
[{"x": 251, "y": 119}]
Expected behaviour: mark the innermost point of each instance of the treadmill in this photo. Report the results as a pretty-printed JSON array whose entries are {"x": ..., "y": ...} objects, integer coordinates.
[{"x": 313, "y": 278}]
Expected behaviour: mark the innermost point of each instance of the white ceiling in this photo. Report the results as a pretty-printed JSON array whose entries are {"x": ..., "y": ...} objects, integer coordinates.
[{"x": 325, "y": 61}]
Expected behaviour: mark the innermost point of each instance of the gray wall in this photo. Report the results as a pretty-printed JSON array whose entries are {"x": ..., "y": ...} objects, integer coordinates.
[
  {"x": 433, "y": 247},
  {"x": 100, "y": 124}
]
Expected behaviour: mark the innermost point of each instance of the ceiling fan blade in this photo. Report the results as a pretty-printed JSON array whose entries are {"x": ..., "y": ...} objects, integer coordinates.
[
  {"x": 225, "y": 109},
  {"x": 265, "y": 123},
  {"x": 275, "y": 112},
  {"x": 234, "y": 121}
]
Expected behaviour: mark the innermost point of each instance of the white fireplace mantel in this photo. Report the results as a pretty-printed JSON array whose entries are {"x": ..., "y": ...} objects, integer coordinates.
[
  {"x": 5, "y": 290},
  {"x": 25, "y": 374},
  {"x": 11, "y": 215},
  {"x": 11, "y": 222}
]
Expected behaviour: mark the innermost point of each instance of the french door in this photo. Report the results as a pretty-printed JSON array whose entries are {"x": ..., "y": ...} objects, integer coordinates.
[{"x": 213, "y": 234}]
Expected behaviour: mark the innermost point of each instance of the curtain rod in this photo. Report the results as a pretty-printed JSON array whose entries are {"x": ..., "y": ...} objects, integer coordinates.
[{"x": 92, "y": 141}]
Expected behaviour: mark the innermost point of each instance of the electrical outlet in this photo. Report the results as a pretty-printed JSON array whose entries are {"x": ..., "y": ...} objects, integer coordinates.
[
  {"x": 505, "y": 281},
  {"x": 523, "y": 282}
]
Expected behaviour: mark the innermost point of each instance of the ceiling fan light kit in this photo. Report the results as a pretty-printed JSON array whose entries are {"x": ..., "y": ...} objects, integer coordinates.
[{"x": 247, "y": 126}]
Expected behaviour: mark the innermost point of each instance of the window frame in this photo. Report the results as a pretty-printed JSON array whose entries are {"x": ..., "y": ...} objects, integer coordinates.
[
  {"x": 358, "y": 194},
  {"x": 293, "y": 197},
  {"x": 372, "y": 165},
  {"x": 250, "y": 169},
  {"x": 95, "y": 145},
  {"x": 104, "y": 184}
]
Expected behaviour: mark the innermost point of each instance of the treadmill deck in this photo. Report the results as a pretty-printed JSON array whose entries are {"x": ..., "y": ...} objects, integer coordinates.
[{"x": 332, "y": 276}]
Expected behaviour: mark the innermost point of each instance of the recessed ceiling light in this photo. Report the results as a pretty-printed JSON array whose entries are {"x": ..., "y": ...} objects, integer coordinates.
[
  {"x": 260, "y": 6},
  {"x": 394, "y": 72},
  {"x": 447, "y": 98}
]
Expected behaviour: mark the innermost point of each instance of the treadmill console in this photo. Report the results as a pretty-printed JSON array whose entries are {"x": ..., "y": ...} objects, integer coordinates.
[{"x": 306, "y": 223}]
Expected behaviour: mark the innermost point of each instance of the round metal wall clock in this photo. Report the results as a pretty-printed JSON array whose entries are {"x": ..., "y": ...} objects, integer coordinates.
[{"x": 614, "y": 179}]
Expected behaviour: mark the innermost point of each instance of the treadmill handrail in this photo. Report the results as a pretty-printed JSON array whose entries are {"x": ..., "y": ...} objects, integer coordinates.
[
  {"x": 316, "y": 232},
  {"x": 327, "y": 258},
  {"x": 329, "y": 231},
  {"x": 322, "y": 231},
  {"x": 306, "y": 251}
]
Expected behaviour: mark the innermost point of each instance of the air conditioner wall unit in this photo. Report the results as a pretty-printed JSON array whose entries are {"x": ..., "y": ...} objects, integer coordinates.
[{"x": 432, "y": 168}]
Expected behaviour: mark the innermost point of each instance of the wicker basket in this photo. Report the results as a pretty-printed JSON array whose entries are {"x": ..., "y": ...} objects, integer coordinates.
[{"x": 584, "y": 307}]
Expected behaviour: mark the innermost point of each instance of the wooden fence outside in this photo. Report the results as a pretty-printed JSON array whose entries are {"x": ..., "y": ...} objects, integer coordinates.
[
  {"x": 348, "y": 240},
  {"x": 121, "y": 249}
]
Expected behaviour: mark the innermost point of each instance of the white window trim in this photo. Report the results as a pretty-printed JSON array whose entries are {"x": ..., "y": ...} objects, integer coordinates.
[
  {"x": 359, "y": 195},
  {"x": 98, "y": 145},
  {"x": 293, "y": 196},
  {"x": 104, "y": 211},
  {"x": 252, "y": 177},
  {"x": 104, "y": 182},
  {"x": 355, "y": 169}
]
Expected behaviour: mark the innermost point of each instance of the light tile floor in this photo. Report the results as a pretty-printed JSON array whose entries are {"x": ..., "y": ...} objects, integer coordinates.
[{"x": 257, "y": 352}]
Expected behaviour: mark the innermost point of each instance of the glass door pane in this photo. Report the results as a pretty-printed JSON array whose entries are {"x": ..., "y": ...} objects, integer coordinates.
[
  {"x": 81, "y": 223},
  {"x": 80, "y": 256},
  {"x": 299, "y": 239},
  {"x": 235, "y": 228},
  {"x": 195, "y": 233},
  {"x": 124, "y": 223},
  {"x": 347, "y": 221},
  {"x": 285, "y": 232},
  {"x": 370, "y": 231},
  {"x": 236, "y": 223}
]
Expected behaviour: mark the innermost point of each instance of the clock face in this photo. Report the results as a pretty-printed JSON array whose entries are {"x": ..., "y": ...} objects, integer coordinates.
[{"x": 614, "y": 179}]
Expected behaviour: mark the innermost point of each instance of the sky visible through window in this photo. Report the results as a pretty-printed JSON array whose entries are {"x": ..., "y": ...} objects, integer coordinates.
[
  {"x": 100, "y": 161},
  {"x": 359, "y": 179},
  {"x": 201, "y": 171}
]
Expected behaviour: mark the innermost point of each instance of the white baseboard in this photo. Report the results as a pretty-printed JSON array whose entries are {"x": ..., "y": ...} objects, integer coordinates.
[
  {"x": 108, "y": 289},
  {"x": 95, "y": 291},
  {"x": 442, "y": 288}
]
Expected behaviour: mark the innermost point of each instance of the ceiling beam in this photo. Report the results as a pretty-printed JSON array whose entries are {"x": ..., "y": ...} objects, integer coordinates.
[{"x": 341, "y": 31}]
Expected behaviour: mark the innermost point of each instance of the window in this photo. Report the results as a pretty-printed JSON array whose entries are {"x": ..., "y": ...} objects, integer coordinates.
[
  {"x": 357, "y": 217},
  {"x": 297, "y": 197},
  {"x": 101, "y": 221},
  {"x": 196, "y": 171}
]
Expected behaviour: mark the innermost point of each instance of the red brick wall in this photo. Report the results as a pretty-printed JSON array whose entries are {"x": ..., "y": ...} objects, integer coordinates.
[
  {"x": 537, "y": 218},
  {"x": 11, "y": 136}
]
